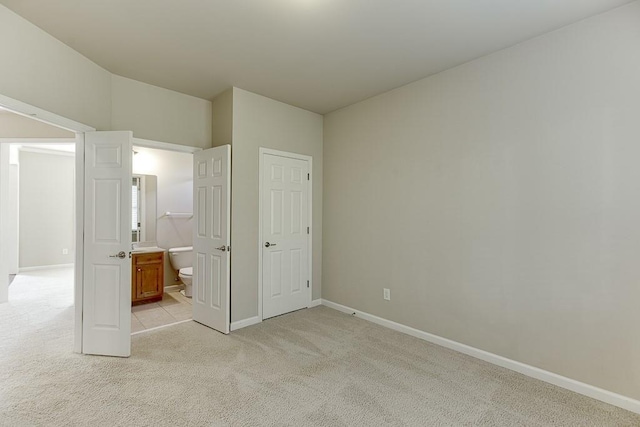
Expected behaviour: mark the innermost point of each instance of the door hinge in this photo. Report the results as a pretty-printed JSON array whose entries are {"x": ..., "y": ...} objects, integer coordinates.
[
  {"x": 307, "y": 283},
  {"x": 307, "y": 230},
  {"x": 308, "y": 176}
]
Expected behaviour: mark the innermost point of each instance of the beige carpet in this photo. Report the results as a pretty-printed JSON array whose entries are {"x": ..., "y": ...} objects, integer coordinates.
[{"x": 313, "y": 367}]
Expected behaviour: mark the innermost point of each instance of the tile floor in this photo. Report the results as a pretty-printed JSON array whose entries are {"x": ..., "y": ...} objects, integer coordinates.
[{"x": 173, "y": 308}]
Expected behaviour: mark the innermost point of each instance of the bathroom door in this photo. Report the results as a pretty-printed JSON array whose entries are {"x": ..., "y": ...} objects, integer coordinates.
[
  {"x": 211, "y": 238},
  {"x": 106, "y": 317}
]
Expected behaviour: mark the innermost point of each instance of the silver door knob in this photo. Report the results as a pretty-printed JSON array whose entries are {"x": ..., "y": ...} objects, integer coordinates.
[
  {"x": 120, "y": 255},
  {"x": 267, "y": 245},
  {"x": 222, "y": 248}
]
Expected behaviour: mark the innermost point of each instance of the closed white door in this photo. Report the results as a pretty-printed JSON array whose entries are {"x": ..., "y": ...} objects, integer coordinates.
[
  {"x": 106, "y": 322},
  {"x": 211, "y": 239},
  {"x": 285, "y": 235}
]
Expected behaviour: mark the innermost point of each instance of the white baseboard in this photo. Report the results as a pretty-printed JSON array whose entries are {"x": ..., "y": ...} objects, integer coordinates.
[
  {"x": 244, "y": 323},
  {"x": 43, "y": 267},
  {"x": 531, "y": 371},
  {"x": 255, "y": 320}
]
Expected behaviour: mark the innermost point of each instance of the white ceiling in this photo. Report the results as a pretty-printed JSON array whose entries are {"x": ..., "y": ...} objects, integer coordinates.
[{"x": 316, "y": 54}]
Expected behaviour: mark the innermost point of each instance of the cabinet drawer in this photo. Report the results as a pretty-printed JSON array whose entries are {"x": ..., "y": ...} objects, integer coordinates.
[{"x": 152, "y": 258}]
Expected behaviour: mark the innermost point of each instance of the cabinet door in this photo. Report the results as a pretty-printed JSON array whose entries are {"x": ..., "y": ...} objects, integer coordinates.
[
  {"x": 147, "y": 277},
  {"x": 148, "y": 281}
]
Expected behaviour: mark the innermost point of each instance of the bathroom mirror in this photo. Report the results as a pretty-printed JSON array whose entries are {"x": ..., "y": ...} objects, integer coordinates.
[{"x": 144, "y": 190}]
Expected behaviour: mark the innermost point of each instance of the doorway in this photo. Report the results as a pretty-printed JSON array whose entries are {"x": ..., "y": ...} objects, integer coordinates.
[
  {"x": 103, "y": 233},
  {"x": 41, "y": 231},
  {"x": 285, "y": 232},
  {"x": 161, "y": 220},
  {"x": 38, "y": 232},
  {"x": 108, "y": 234}
]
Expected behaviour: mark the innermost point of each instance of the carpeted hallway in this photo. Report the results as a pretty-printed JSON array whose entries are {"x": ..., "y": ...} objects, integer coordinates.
[{"x": 312, "y": 367}]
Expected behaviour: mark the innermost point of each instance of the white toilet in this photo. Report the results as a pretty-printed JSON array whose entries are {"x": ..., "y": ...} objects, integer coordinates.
[{"x": 181, "y": 260}]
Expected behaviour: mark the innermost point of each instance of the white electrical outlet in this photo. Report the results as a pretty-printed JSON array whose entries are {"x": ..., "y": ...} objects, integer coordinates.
[
  {"x": 65, "y": 251},
  {"x": 387, "y": 294}
]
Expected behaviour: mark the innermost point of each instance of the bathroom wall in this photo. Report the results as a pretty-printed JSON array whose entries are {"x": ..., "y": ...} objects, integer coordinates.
[
  {"x": 46, "y": 209},
  {"x": 175, "y": 194}
]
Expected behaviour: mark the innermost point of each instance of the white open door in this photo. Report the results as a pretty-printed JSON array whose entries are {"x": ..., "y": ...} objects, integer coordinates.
[
  {"x": 106, "y": 317},
  {"x": 211, "y": 238}
]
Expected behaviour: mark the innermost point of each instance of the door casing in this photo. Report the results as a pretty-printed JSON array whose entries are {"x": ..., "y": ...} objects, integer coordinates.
[
  {"x": 263, "y": 151},
  {"x": 30, "y": 111}
]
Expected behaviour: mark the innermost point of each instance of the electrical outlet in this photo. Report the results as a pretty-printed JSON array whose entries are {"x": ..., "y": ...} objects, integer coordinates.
[
  {"x": 386, "y": 293},
  {"x": 65, "y": 251}
]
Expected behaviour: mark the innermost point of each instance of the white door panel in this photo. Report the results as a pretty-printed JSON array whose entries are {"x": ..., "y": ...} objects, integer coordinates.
[
  {"x": 285, "y": 270},
  {"x": 107, "y": 242},
  {"x": 211, "y": 240}
]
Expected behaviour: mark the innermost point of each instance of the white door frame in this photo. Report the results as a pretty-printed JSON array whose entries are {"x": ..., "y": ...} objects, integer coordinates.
[
  {"x": 41, "y": 115},
  {"x": 44, "y": 116},
  {"x": 309, "y": 160}
]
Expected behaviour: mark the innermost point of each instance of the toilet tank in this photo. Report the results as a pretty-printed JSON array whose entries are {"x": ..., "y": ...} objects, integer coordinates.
[{"x": 181, "y": 257}]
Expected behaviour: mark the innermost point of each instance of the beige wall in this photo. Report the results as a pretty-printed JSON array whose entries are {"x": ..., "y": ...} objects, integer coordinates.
[
  {"x": 222, "y": 107},
  {"x": 42, "y": 71},
  {"x": 160, "y": 114},
  {"x": 47, "y": 212},
  {"x": 499, "y": 201},
  {"x": 16, "y": 126},
  {"x": 263, "y": 122}
]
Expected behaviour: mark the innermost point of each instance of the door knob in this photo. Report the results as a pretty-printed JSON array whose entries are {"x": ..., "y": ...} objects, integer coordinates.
[
  {"x": 267, "y": 245},
  {"x": 222, "y": 248},
  {"x": 120, "y": 255}
]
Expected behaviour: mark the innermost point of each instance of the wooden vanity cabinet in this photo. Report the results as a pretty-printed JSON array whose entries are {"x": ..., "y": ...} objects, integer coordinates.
[{"x": 147, "y": 277}]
